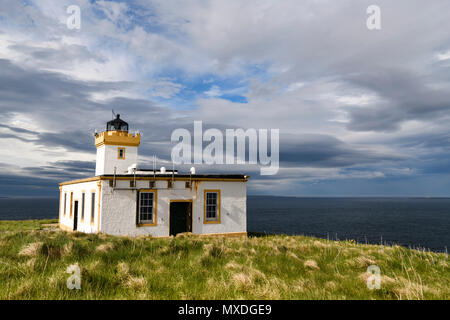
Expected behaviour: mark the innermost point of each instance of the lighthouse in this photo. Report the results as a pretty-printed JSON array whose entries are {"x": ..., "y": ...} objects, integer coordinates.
[
  {"x": 125, "y": 199},
  {"x": 117, "y": 149}
]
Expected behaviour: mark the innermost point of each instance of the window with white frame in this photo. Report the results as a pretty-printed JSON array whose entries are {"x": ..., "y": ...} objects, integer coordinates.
[
  {"x": 147, "y": 208},
  {"x": 212, "y": 200}
]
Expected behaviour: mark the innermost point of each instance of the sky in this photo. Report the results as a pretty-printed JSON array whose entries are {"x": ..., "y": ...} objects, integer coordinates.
[{"x": 360, "y": 112}]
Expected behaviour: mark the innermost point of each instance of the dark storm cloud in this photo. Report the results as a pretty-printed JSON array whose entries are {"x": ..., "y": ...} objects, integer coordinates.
[
  {"x": 65, "y": 106},
  {"x": 66, "y": 167},
  {"x": 63, "y": 169},
  {"x": 327, "y": 152},
  {"x": 437, "y": 165},
  {"x": 22, "y": 180},
  {"x": 20, "y": 185},
  {"x": 439, "y": 141},
  {"x": 18, "y": 130},
  {"x": 74, "y": 141},
  {"x": 403, "y": 96},
  {"x": 43, "y": 180},
  {"x": 24, "y": 90},
  {"x": 75, "y": 165},
  {"x": 65, "y": 54},
  {"x": 13, "y": 136}
]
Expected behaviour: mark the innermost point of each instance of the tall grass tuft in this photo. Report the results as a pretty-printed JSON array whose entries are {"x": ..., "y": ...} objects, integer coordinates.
[{"x": 34, "y": 259}]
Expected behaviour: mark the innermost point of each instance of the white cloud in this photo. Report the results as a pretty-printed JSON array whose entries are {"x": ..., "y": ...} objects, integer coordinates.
[
  {"x": 294, "y": 86},
  {"x": 443, "y": 56},
  {"x": 293, "y": 61},
  {"x": 213, "y": 92},
  {"x": 361, "y": 100},
  {"x": 113, "y": 10}
]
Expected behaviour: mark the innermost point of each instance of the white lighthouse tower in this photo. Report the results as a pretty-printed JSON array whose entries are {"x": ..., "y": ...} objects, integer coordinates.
[{"x": 117, "y": 150}]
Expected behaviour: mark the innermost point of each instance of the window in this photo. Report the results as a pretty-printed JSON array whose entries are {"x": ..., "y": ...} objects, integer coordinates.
[
  {"x": 65, "y": 203},
  {"x": 92, "y": 207},
  {"x": 71, "y": 204},
  {"x": 121, "y": 153},
  {"x": 147, "y": 208},
  {"x": 82, "y": 205},
  {"x": 212, "y": 206},
  {"x": 169, "y": 184}
]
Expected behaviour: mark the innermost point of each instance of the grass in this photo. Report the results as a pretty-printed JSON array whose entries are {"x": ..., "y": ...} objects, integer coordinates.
[{"x": 34, "y": 257}]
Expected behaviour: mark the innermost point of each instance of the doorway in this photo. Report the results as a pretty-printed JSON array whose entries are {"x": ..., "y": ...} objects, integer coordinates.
[
  {"x": 75, "y": 215},
  {"x": 180, "y": 217}
]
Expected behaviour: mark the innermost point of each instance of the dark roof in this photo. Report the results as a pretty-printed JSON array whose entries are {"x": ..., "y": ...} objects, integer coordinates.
[
  {"x": 157, "y": 170},
  {"x": 194, "y": 176},
  {"x": 117, "y": 124}
]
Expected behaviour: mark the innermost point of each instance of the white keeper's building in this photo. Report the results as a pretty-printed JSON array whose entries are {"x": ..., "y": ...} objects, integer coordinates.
[{"x": 123, "y": 199}]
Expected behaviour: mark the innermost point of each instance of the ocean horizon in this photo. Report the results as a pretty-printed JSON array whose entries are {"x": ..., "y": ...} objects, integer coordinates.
[{"x": 415, "y": 222}]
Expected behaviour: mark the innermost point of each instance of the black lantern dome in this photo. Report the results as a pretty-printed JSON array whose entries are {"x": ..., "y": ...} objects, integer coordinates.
[{"x": 117, "y": 124}]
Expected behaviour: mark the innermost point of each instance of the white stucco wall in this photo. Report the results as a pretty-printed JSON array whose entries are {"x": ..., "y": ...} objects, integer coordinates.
[
  {"x": 66, "y": 220},
  {"x": 118, "y": 216},
  {"x": 107, "y": 159},
  {"x": 100, "y": 161}
]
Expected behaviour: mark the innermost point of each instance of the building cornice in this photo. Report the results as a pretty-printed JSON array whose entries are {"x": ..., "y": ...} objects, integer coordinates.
[
  {"x": 117, "y": 138},
  {"x": 148, "y": 178}
]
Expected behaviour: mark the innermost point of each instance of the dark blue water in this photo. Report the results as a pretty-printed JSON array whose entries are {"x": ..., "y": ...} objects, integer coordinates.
[
  {"x": 28, "y": 208},
  {"x": 411, "y": 222}
]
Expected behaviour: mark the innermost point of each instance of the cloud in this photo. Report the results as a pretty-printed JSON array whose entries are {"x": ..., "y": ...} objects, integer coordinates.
[
  {"x": 352, "y": 105},
  {"x": 322, "y": 151},
  {"x": 404, "y": 96},
  {"x": 214, "y": 91}
]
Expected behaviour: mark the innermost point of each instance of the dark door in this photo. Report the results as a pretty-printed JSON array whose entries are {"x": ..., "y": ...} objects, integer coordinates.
[
  {"x": 180, "y": 217},
  {"x": 75, "y": 216}
]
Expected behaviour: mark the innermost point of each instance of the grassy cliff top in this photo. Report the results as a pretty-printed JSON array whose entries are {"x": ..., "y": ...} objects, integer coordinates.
[{"x": 34, "y": 257}]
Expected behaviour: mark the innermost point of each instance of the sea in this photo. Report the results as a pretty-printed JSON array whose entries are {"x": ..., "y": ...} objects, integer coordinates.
[{"x": 422, "y": 223}]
